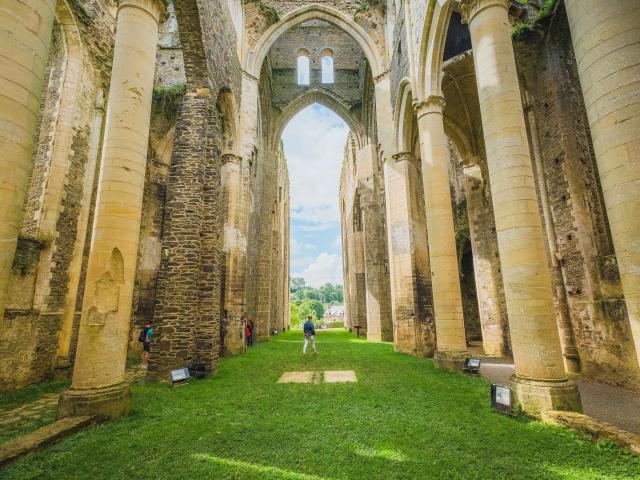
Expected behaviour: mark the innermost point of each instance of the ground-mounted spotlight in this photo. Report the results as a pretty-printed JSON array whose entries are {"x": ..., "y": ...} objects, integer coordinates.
[
  {"x": 472, "y": 365},
  {"x": 180, "y": 376},
  {"x": 502, "y": 399}
]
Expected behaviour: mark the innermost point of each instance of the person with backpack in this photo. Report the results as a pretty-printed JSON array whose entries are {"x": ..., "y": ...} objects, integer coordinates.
[
  {"x": 145, "y": 338},
  {"x": 309, "y": 336},
  {"x": 248, "y": 331}
]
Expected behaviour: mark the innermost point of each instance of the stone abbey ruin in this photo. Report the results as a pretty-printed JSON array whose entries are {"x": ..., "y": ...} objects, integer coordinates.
[{"x": 489, "y": 194}]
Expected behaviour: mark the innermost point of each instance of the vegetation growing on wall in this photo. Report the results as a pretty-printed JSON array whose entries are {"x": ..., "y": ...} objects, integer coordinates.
[
  {"x": 366, "y": 5},
  {"x": 168, "y": 97},
  {"x": 269, "y": 13},
  {"x": 525, "y": 27}
]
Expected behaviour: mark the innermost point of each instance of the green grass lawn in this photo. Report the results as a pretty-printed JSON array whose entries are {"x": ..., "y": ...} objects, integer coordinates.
[{"x": 402, "y": 420}]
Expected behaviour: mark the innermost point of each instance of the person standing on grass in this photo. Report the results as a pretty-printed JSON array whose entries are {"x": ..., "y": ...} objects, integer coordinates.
[
  {"x": 145, "y": 338},
  {"x": 309, "y": 336},
  {"x": 248, "y": 331}
]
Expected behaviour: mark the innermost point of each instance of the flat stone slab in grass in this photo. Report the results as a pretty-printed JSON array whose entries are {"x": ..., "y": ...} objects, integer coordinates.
[
  {"x": 340, "y": 376},
  {"x": 41, "y": 438},
  {"x": 296, "y": 377}
]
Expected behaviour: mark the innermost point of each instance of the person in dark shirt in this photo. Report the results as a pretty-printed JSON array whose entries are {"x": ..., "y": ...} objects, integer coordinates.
[
  {"x": 145, "y": 338},
  {"x": 309, "y": 336}
]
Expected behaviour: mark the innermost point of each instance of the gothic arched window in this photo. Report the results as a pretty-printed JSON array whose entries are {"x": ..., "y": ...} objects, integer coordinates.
[
  {"x": 304, "y": 76},
  {"x": 327, "y": 66}
]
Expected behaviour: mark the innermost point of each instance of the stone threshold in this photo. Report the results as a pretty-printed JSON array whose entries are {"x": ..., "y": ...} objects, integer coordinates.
[
  {"x": 595, "y": 429},
  {"x": 42, "y": 438}
]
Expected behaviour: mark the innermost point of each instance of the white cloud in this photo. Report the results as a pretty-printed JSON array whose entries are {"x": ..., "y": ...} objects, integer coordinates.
[
  {"x": 298, "y": 248},
  {"x": 327, "y": 267},
  {"x": 314, "y": 146}
]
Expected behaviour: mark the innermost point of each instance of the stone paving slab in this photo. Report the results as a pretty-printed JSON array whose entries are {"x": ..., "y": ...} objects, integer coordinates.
[
  {"x": 296, "y": 377},
  {"x": 340, "y": 376},
  {"x": 41, "y": 438}
]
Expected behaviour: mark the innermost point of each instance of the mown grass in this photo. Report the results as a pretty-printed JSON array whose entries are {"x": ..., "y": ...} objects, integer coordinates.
[
  {"x": 403, "y": 420},
  {"x": 16, "y": 398}
]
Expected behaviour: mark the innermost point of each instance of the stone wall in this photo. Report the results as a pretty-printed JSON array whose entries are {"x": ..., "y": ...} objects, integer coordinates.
[
  {"x": 41, "y": 285},
  {"x": 587, "y": 275}
]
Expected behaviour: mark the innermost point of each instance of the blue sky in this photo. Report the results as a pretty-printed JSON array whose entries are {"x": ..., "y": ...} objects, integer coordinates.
[{"x": 314, "y": 145}]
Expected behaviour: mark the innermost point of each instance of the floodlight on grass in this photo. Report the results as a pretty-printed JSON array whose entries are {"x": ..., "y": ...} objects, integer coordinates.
[
  {"x": 180, "y": 376},
  {"x": 471, "y": 365},
  {"x": 501, "y": 399}
]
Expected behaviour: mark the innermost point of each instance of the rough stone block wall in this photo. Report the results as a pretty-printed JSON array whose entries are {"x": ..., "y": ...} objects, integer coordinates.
[
  {"x": 589, "y": 276},
  {"x": 28, "y": 348},
  {"x": 177, "y": 296},
  {"x": 45, "y": 133},
  {"x": 151, "y": 227},
  {"x": 398, "y": 51}
]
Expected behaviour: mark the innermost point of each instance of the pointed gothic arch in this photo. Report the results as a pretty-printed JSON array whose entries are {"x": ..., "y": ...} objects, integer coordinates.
[{"x": 314, "y": 12}]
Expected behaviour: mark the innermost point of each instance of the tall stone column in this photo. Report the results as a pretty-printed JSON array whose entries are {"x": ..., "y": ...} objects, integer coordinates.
[
  {"x": 63, "y": 362},
  {"x": 480, "y": 223},
  {"x": 607, "y": 48},
  {"x": 379, "y": 321},
  {"x": 408, "y": 257},
  {"x": 447, "y": 300},
  {"x": 98, "y": 386},
  {"x": 235, "y": 248},
  {"x": 25, "y": 36},
  {"x": 540, "y": 382}
]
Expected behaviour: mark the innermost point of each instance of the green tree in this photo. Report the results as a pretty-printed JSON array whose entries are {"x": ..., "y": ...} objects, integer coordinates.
[
  {"x": 312, "y": 294},
  {"x": 295, "y": 315},
  {"x": 297, "y": 283},
  {"x": 318, "y": 307},
  {"x": 305, "y": 309}
]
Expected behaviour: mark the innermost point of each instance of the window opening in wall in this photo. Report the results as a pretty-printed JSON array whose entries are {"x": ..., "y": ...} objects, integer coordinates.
[
  {"x": 304, "y": 76},
  {"x": 327, "y": 66}
]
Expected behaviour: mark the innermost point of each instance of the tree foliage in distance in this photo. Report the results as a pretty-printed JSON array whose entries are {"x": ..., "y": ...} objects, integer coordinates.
[{"x": 327, "y": 294}]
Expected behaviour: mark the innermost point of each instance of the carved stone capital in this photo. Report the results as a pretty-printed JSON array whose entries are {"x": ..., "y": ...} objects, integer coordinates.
[
  {"x": 470, "y": 8},
  {"x": 431, "y": 104},
  {"x": 231, "y": 158},
  {"x": 156, "y": 8}
]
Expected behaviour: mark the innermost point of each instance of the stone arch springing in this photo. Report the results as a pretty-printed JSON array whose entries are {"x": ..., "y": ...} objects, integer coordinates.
[
  {"x": 226, "y": 106},
  {"x": 432, "y": 44},
  {"x": 315, "y": 12},
  {"x": 405, "y": 126}
]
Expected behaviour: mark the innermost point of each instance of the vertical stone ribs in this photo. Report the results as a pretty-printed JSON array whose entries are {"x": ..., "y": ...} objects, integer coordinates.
[{"x": 187, "y": 304}]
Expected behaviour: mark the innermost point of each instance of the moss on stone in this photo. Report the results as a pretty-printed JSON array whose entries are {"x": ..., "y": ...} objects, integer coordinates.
[
  {"x": 168, "y": 97},
  {"x": 269, "y": 13},
  {"x": 528, "y": 27}
]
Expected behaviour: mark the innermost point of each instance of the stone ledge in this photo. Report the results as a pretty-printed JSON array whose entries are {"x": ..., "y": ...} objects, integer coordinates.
[
  {"x": 594, "y": 428},
  {"x": 41, "y": 438}
]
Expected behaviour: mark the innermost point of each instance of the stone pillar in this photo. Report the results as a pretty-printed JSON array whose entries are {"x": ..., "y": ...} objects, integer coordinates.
[
  {"x": 408, "y": 257},
  {"x": 493, "y": 338},
  {"x": 25, "y": 37},
  {"x": 607, "y": 48},
  {"x": 379, "y": 321},
  {"x": 98, "y": 386},
  {"x": 540, "y": 382},
  {"x": 447, "y": 300},
  {"x": 75, "y": 267},
  {"x": 235, "y": 249}
]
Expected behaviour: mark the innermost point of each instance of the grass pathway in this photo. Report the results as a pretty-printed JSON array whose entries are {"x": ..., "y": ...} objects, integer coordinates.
[{"x": 402, "y": 420}]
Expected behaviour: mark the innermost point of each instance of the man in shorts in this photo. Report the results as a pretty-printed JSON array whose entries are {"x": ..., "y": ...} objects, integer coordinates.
[{"x": 145, "y": 338}]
